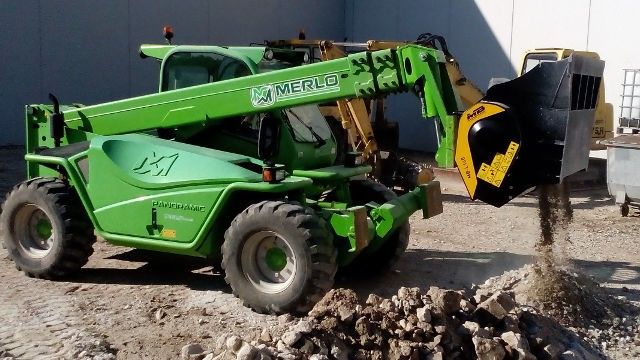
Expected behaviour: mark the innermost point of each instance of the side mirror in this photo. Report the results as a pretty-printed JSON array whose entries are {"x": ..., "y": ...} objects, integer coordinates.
[{"x": 268, "y": 138}]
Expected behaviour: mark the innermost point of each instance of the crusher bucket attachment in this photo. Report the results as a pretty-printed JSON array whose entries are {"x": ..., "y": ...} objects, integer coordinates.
[{"x": 533, "y": 130}]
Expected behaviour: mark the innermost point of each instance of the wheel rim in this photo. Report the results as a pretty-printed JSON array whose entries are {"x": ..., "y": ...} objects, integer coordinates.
[
  {"x": 268, "y": 261},
  {"x": 33, "y": 230}
]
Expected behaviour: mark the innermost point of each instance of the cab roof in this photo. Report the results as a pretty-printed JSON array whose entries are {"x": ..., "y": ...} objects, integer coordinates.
[{"x": 159, "y": 52}]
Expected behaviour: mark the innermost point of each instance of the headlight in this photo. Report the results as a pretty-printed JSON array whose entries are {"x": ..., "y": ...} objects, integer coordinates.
[{"x": 268, "y": 55}]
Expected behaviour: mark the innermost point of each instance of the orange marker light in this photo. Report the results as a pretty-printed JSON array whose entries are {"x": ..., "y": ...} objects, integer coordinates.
[
  {"x": 167, "y": 32},
  {"x": 267, "y": 175}
]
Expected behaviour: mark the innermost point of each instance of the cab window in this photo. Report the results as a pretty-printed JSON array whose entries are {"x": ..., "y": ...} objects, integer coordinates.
[
  {"x": 184, "y": 69},
  {"x": 246, "y": 127}
]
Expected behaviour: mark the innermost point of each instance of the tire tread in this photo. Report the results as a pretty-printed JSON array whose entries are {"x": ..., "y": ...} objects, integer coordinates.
[{"x": 77, "y": 237}]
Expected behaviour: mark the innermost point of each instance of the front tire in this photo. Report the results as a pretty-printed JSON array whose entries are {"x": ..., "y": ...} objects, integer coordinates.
[
  {"x": 46, "y": 231},
  {"x": 279, "y": 257}
]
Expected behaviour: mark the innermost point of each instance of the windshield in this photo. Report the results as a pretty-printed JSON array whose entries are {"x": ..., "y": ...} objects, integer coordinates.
[
  {"x": 308, "y": 124},
  {"x": 184, "y": 69}
]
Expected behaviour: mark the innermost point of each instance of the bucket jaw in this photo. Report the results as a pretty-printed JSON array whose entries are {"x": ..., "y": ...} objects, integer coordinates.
[{"x": 533, "y": 130}]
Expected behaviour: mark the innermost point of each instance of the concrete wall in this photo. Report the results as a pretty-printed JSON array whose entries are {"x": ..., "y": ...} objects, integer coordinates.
[
  {"x": 489, "y": 36},
  {"x": 86, "y": 51}
]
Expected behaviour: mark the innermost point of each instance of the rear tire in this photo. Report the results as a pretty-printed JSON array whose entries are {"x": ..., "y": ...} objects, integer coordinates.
[
  {"x": 370, "y": 263},
  {"x": 45, "y": 228},
  {"x": 279, "y": 257}
]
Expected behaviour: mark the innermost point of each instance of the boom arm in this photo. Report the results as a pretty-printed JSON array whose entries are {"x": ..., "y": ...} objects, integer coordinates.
[{"x": 359, "y": 75}]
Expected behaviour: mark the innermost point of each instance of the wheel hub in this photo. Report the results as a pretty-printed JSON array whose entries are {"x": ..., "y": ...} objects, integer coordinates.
[
  {"x": 268, "y": 261},
  {"x": 34, "y": 230},
  {"x": 43, "y": 228},
  {"x": 276, "y": 259}
]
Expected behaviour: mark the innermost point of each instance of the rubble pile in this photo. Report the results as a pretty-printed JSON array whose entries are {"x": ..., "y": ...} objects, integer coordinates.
[{"x": 414, "y": 324}]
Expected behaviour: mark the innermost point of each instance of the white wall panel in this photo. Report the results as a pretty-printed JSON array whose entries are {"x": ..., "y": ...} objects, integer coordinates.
[
  {"x": 549, "y": 23},
  {"x": 481, "y": 37},
  {"x": 614, "y": 34},
  {"x": 87, "y": 51},
  {"x": 85, "y": 56},
  {"x": 190, "y": 22}
]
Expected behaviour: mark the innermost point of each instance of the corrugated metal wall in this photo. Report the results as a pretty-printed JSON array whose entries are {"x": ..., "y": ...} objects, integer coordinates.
[{"x": 86, "y": 51}]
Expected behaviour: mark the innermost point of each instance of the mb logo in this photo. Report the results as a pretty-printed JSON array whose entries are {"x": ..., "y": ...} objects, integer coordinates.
[{"x": 263, "y": 96}]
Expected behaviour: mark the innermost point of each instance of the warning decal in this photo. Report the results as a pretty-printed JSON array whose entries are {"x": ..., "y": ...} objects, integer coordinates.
[{"x": 495, "y": 173}]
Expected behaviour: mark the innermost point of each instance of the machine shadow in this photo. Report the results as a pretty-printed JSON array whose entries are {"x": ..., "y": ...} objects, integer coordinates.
[
  {"x": 424, "y": 268},
  {"x": 157, "y": 269},
  {"x": 461, "y": 270},
  {"x": 419, "y": 268},
  {"x": 588, "y": 200}
]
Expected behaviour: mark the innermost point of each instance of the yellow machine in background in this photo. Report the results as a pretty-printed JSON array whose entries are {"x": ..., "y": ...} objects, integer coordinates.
[{"x": 603, "y": 124}]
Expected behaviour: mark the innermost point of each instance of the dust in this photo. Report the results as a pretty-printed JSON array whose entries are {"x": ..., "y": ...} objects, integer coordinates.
[
  {"x": 555, "y": 213},
  {"x": 549, "y": 286}
]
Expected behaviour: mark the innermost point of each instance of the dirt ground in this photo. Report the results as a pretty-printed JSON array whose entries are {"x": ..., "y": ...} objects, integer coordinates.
[{"x": 148, "y": 306}]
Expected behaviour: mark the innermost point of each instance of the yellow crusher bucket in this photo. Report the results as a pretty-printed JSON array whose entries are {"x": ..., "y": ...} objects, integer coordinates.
[{"x": 533, "y": 130}]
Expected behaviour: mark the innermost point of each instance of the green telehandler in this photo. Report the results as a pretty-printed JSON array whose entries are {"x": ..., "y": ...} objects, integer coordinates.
[{"x": 232, "y": 160}]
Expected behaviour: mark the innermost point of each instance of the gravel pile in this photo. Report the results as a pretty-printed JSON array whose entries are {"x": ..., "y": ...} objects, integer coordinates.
[
  {"x": 572, "y": 298},
  {"x": 414, "y": 324},
  {"x": 541, "y": 311},
  {"x": 577, "y": 302}
]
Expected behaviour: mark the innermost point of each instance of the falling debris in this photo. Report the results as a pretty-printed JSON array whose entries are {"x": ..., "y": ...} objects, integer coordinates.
[{"x": 549, "y": 286}]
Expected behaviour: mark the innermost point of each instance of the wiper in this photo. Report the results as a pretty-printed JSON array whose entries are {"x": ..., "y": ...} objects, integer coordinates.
[{"x": 319, "y": 140}]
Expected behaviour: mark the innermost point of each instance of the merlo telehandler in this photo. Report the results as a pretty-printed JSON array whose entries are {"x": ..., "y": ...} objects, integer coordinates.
[{"x": 233, "y": 159}]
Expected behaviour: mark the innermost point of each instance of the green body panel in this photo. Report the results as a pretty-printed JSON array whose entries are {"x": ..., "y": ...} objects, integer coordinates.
[
  {"x": 189, "y": 187},
  {"x": 179, "y": 196},
  {"x": 182, "y": 182},
  {"x": 333, "y": 173},
  {"x": 158, "y": 52}
]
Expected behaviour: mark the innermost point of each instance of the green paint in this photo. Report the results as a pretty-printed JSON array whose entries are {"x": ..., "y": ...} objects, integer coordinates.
[
  {"x": 276, "y": 259},
  {"x": 44, "y": 229}
]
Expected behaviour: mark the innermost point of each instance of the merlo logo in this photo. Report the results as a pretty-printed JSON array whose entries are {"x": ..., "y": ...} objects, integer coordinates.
[
  {"x": 267, "y": 95},
  {"x": 262, "y": 96}
]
